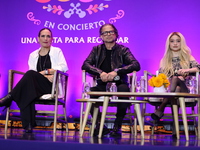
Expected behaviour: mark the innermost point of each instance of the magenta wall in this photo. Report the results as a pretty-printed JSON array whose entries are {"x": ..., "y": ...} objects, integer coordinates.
[{"x": 145, "y": 23}]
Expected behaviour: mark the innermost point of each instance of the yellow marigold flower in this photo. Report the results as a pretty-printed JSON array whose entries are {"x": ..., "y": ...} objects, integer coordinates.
[
  {"x": 158, "y": 81},
  {"x": 162, "y": 75},
  {"x": 151, "y": 81}
]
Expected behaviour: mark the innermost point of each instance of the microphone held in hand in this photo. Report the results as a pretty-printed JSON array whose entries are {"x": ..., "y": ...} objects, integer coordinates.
[{"x": 116, "y": 78}]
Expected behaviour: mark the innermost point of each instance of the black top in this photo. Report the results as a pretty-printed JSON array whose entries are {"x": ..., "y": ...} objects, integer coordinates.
[
  {"x": 106, "y": 65},
  {"x": 121, "y": 59},
  {"x": 43, "y": 63}
]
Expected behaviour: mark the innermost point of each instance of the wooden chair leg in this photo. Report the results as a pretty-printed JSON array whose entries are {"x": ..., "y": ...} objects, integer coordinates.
[
  {"x": 198, "y": 111},
  {"x": 139, "y": 117},
  {"x": 131, "y": 122},
  {"x": 135, "y": 125},
  {"x": 153, "y": 127},
  {"x": 175, "y": 110},
  {"x": 154, "y": 124},
  {"x": 135, "y": 122},
  {"x": 88, "y": 107},
  {"x": 103, "y": 115},
  {"x": 182, "y": 104},
  {"x": 55, "y": 118},
  {"x": 65, "y": 116},
  {"x": 81, "y": 116},
  {"x": 7, "y": 118},
  {"x": 95, "y": 114},
  {"x": 143, "y": 112}
]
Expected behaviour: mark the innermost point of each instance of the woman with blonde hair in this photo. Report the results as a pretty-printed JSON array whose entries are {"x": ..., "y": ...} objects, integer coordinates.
[{"x": 178, "y": 64}]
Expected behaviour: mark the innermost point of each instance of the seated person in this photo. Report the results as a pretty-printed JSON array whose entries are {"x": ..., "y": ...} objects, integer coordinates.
[
  {"x": 178, "y": 64},
  {"x": 107, "y": 61},
  {"x": 38, "y": 80}
]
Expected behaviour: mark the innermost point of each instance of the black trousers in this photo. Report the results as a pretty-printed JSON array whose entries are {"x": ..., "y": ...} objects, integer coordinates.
[
  {"x": 121, "y": 107},
  {"x": 31, "y": 86}
]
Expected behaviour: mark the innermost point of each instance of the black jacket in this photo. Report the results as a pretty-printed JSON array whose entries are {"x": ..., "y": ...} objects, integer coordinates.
[{"x": 122, "y": 60}]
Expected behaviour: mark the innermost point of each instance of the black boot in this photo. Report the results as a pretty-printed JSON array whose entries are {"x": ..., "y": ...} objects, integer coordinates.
[
  {"x": 116, "y": 132},
  {"x": 157, "y": 115},
  {"x": 6, "y": 101}
]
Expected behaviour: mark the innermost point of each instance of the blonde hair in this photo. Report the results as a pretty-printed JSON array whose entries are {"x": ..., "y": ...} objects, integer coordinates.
[{"x": 184, "y": 55}]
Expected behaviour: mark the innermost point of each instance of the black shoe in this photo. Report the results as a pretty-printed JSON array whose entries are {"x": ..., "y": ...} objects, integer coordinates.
[
  {"x": 157, "y": 117},
  {"x": 116, "y": 132},
  {"x": 105, "y": 131},
  {"x": 28, "y": 129},
  {"x": 6, "y": 101}
]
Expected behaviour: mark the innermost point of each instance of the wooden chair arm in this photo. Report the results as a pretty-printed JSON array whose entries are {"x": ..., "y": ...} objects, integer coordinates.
[
  {"x": 84, "y": 77},
  {"x": 55, "y": 83},
  {"x": 148, "y": 73},
  {"x": 11, "y": 78},
  {"x": 132, "y": 80},
  {"x": 88, "y": 74},
  {"x": 62, "y": 73},
  {"x": 17, "y": 72}
]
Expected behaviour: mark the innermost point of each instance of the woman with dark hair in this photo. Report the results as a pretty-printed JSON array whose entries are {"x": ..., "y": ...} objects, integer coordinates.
[{"x": 38, "y": 80}]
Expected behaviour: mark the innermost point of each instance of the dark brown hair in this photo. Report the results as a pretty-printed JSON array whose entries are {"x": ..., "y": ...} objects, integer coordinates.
[
  {"x": 115, "y": 29},
  {"x": 44, "y": 29}
]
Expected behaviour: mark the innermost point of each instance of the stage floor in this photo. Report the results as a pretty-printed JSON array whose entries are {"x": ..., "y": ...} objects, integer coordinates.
[{"x": 46, "y": 135}]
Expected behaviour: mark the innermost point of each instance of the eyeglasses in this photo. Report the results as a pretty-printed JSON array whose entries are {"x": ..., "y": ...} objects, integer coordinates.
[{"x": 106, "y": 32}]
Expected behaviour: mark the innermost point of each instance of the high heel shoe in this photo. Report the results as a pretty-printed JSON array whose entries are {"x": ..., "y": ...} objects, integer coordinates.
[
  {"x": 116, "y": 132},
  {"x": 6, "y": 101}
]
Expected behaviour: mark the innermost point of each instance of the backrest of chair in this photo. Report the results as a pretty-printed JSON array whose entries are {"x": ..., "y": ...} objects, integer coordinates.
[
  {"x": 147, "y": 75},
  {"x": 132, "y": 81}
]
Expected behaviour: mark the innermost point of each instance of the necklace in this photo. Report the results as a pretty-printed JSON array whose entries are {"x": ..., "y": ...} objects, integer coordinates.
[{"x": 42, "y": 67}]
